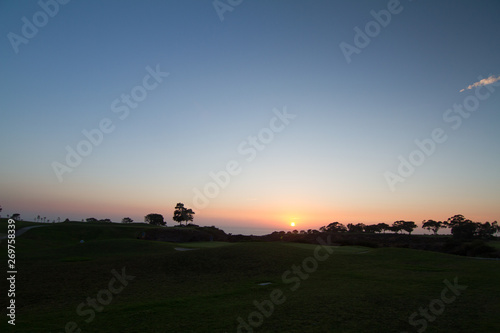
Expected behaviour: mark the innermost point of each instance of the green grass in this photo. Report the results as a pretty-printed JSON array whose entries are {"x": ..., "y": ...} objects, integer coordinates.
[
  {"x": 356, "y": 289},
  {"x": 73, "y": 259},
  {"x": 338, "y": 249},
  {"x": 205, "y": 245},
  {"x": 495, "y": 244}
]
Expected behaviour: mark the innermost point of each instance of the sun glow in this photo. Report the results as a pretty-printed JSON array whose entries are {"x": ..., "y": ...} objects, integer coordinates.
[{"x": 292, "y": 224}]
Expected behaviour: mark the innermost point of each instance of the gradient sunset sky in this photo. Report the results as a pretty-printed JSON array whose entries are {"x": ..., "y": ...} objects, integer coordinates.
[{"x": 309, "y": 132}]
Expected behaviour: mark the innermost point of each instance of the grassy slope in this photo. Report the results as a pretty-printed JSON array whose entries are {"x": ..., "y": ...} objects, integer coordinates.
[
  {"x": 495, "y": 244},
  {"x": 206, "y": 290}
]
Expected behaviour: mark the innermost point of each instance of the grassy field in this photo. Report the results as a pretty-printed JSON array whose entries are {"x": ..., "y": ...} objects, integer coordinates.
[
  {"x": 495, "y": 244},
  {"x": 351, "y": 289}
]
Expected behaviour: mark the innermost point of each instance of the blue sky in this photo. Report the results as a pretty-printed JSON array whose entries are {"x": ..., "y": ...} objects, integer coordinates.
[{"x": 225, "y": 79}]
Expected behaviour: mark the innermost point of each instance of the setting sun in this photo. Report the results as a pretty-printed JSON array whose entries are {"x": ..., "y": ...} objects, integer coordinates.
[{"x": 292, "y": 224}]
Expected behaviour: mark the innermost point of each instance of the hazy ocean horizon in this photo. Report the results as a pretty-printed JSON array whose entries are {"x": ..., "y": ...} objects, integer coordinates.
[{"x": 256, "y": 231}]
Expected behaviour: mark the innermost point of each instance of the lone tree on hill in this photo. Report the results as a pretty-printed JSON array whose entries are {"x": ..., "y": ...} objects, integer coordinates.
[
  {"x": 182, "y": 213},
  {"x": 127, "y": 220},
  {"x": 16, "y": 216},
  {"x": 154, "y": 219}
]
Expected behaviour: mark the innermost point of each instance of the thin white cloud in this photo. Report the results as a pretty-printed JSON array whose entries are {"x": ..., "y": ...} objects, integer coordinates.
[{"x": 492, "y": 79}]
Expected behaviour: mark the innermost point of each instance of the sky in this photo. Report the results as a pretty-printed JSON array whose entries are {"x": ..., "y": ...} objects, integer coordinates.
[{"x": 255, "y": 114}]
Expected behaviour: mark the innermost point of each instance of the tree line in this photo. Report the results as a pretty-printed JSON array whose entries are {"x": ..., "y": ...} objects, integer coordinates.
[
  {"x": 181, "y": 214},
  {"x": 459, "y": 226}
]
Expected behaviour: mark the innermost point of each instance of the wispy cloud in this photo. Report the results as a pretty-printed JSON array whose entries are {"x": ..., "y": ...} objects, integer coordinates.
[{"x": 483, "y": 82}]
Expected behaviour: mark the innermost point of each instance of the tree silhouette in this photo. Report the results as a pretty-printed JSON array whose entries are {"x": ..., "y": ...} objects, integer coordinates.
[
  {"x": 456, "y": 220},
  {"x": 154, "y": 219},
  {"x": 408, "y": 226},
  {"x": 397, "y": 226},
  {"x": 486, "y": 230},
  {"x": 465, "y": 230},
  {"x": 335, "y": 227},
  {"x": 372, "y": 228},
  {"x": 127, "y": 220},
  {"x": 432, "y": 225},
  {"x": 401, "y": 225},
  {"x": 383, "y": 227},
  {"x": 360, "y": 227},
  {"x": 182, "y": 213},
  {"x": 461, "y": 227},
  {"x": 16, "y": 216}
]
